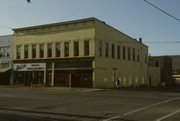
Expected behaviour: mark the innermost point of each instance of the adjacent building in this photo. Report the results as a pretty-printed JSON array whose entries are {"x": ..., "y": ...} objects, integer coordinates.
[
  {"x": 165, "y": 65},
  {"x": 6, "y": 60},
  {"x": 79, "y": 53}
]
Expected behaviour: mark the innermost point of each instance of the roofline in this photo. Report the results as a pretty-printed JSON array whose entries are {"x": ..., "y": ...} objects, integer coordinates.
[
  {"x": 59, "y": 23},
  {"x": 7, "y": 35}
]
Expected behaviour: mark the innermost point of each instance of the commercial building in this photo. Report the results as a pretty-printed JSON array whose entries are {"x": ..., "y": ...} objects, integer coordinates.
[
  {"x": 165, "y": 65},
  {"x": 79, "y": 53},
  {"x": 6, "y": 59},
  {"x": 175, "y": 64}
]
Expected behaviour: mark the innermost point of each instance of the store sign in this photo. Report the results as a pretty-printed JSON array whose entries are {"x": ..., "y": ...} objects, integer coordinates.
[{"x": 29, "y": 67}]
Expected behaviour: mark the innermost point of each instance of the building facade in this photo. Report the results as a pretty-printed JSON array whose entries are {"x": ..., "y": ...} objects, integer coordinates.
[
  {"x": 79, "y": 53},
  {"x": 6, "y": 59},
  {"x": 165, "y": 65},
  {"x": 175, "y": 64}
]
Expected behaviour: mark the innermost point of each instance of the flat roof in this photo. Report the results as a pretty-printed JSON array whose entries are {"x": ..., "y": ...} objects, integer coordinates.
[{"x": 59, "y": 23}]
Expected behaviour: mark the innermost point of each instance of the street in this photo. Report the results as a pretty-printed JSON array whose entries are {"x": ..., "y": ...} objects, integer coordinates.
[{"x": 89, "y": 105}]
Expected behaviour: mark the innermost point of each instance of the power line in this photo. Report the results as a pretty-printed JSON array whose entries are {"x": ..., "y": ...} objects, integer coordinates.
[{"x": 162, "y": 11}]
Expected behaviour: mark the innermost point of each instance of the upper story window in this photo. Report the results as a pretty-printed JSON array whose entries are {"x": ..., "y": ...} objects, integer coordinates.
[
  {"x": 99, "y": 48},
  {"x": 119, "y": 52},
  {"x": 129, "y": 53},
  {"x": 133, "y": 55},
  {"x": 49, "y": 47},
  {"x": 58, "y": 50},
  {"x": 41, "y": 50},
  {"x": 145, "y": 59},
  {"x": 33, "y": 51},
  {"x": 76, "y": 48},
  {"x": 4, "y": 51},
  {"x": 106, "y": 49},
  {"x": 66, "y": 49},
  {"x": 124, "y": 53},
  {"x": 113, "y": 51},
  {"x": 18, "y": 52},
  {"x": 138, "y": 55},
  {"x": 26, "y": 51},
  {"x": 86, "y": 47}
]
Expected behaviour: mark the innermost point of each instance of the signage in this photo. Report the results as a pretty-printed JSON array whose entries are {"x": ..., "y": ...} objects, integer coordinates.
[{"x": 29, "y": 67}]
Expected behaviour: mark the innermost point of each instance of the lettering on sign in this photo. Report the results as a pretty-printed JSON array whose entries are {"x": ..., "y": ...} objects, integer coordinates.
[{"x": 20, "y": 67}]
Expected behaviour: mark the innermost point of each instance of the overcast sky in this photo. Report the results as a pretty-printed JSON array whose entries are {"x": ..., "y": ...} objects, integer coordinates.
[{"x": 133, "y": 17}]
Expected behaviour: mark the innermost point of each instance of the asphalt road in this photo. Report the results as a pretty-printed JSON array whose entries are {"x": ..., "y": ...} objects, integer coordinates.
[{"x": 89, "y": 105}]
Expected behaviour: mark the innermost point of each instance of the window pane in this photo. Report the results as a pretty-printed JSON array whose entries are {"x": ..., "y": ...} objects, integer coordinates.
[
  {"x": 86, "y": 47},
  {"x": 113, "y": 51},
  {"x": 26, "y": 51},
  {"x": 33, "y": 51},
  {"x": 106, "y": 49},
  {"x": 57, "y": 49},
  {"x": 18, "y": 52},
  {"x": 129, "y": 53},
  {"x": 133, "y": 54},
  {"x": 119, "y": 52},
  {"x": 49, "y": 50},
  {"x": 124, "y": 53},
  {"x": 41, "y": 46},
  {"x": 99, "y": 48},
  {"x": 66, "y": 49},
  {"x": 76, "y": 48}
]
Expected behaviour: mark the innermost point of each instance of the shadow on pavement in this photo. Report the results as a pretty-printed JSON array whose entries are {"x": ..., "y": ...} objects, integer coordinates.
[{"x": 57, "y": 114}]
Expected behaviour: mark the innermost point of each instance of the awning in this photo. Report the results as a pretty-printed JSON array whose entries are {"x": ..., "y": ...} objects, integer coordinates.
[{"x": 2, "y": 70}]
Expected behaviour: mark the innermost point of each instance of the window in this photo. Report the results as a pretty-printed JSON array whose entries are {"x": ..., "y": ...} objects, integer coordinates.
[
  {"x": 33, "y": 51},
  {"x": 1, "y": 53},
  {"x": 86, "y": 47},
  {"x": 138, "y": 54},
  {"x": 76, "y": 48},
  {"x": 129, "y": 53},
  {"x": 113, "y": 51},
  {"x": 119, "y": 52},
  {"x": 133, "y": 56},
  {"x": 18, "y": 52},
  {"x": 66, "y": 49},
  {"x": 58, "y": 51},
  {"x": 49, "y": 46},
  {"x": 41, "y": 47},
  {"x": 106, "y": 49},
  {"x": 4, "y": 51},
  {"x": 26, "y": 51},
  {"x": 99, "y": 48},
  {"x": 145, "y": 59},
  {"x": 124, "y": 53}
]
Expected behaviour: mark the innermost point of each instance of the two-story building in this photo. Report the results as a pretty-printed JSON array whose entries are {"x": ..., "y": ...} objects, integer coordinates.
[
  {"x": 6, "y": 74},
  {"x": 78, "y": 53}
]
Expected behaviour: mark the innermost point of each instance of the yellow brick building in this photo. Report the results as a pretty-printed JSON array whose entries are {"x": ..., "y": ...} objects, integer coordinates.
[{"x": 79, "y": 53}]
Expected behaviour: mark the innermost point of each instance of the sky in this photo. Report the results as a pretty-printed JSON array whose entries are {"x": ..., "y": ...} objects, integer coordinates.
[{"x": 136, "y": 18}]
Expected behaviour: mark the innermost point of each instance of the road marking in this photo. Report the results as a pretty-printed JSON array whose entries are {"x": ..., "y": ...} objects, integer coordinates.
[
  {"x": 140, "y": 109},
  {"x": 166, "y": 116}
]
